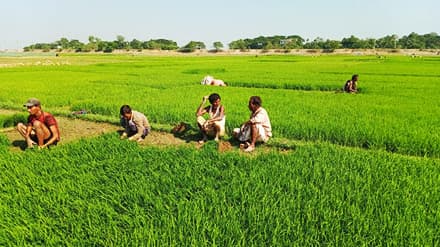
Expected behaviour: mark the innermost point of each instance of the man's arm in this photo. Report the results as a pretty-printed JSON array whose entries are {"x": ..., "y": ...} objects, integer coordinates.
[
  {"x": 54, "y": 130},
  {"x": 28, "y": 131},
  {"x": 202, "y": 110}
]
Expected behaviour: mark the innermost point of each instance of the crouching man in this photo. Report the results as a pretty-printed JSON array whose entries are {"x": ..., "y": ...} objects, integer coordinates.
[
  {"x": 256, "y": 129},
  {"x": 41, "y": 128},
  {"x": 215, "y": 124},
  {"x": 135, "y": 124}
]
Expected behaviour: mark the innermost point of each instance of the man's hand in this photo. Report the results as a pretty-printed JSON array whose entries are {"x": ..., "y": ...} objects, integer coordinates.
[{"x": 123, "y": 136}]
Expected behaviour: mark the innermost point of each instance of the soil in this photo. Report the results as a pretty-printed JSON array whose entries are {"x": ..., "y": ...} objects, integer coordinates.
[
  {"x": 224, "y": 146},
  {"x": 74, "y": 129}
]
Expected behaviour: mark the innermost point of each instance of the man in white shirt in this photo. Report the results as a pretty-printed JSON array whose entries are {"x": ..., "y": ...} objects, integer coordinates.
[{"x": 257, "y": 128}]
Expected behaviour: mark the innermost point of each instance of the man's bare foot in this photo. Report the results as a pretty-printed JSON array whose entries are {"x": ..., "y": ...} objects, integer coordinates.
[{"x": 250, "y": 148}]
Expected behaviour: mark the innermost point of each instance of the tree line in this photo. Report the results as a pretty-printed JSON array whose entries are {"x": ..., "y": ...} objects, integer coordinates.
[{"x": 411, "y": 41}]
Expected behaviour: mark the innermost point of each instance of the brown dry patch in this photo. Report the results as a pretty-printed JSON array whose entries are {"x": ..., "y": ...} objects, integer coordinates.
[
  {"x": 161, "y": 139},
  {"x": 74, "y": 129},
  {"x": 70, "y": 130},
  {"x": 224, "y": 146}
]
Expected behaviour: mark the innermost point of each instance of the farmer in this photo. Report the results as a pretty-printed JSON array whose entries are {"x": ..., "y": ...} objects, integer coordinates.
[
  {"x": 257, "y": 128},
  {"x": 41, "y": 128},
  {"x": 135, "y": 124},
  {"x": 351, "y": 85},
  {"x": 215, "y": 125},
  {"x": 209, "y": 80}
]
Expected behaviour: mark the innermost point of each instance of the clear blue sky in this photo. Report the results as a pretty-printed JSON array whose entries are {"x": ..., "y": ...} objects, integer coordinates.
[{"x": 25, "y": 22}]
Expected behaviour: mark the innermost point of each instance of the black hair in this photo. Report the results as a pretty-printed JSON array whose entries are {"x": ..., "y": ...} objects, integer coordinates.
[
  {"x": 213, "y": 97},
  {"x": 355, "y": 76},
  {"x": 255, "y": 100},
  {"x": 125, "y": 109}
]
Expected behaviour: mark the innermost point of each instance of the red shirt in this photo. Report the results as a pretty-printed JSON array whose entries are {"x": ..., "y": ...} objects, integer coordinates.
[{"x": 45, "y": 118}]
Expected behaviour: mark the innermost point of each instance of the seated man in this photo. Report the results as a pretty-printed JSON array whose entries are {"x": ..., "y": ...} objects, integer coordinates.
[
  {"x": 257, "y": 128},
  {"x": 135, "y": 124},
  {"x": 41, "y": 128},
  {"x": 351, "y": 85},
  {"x": 215, "y": 125}
]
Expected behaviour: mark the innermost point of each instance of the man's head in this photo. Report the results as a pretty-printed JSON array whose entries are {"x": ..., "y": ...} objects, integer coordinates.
[
  {"x": 254, "y": 103},
  {"x": 354, "y": 77},
  {"x": 214, "y": 99},
  {"x": 32, "y": 102},
  {"x": 33, "y": 105},
  {"x": 125, "y": 111}
]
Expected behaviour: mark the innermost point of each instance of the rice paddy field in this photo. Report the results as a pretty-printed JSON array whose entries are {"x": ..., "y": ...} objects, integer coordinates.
[{"x": 342, "y": 169}]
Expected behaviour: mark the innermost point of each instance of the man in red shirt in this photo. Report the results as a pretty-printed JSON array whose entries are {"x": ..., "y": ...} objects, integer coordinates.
[{"x": 41, "y": 128}]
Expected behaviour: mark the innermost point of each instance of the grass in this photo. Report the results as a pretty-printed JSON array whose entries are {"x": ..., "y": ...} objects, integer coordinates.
[
  {"x": 394, "y": 111},
  {"x": 90, "y": 194},
  {"x": 359, "y": 169}
]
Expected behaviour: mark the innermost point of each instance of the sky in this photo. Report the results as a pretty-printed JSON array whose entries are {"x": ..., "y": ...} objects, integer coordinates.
[{"x": 26, "y": 22}]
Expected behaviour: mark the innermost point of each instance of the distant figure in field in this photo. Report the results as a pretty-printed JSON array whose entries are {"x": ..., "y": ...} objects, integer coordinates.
[
  {"x": 41, "y": 128},
  {"x": 351, "y": 85},
  {"x": 215, "y": 124},
  {"x": 257, "y": 128},
  {"x": 135, "y": 124},
  {"x": 209, "y": 80}
]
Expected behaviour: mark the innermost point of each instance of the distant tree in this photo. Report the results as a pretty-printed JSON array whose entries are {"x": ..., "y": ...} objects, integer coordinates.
[
  {"x": 63, "y": 43},
  {"x": 352, "y": 43},
  {"x": 317, "y": 43},
  {"x": 370, "y": 43},
  {"x": 412, "y": 41},
  {"x": 76, "y": 45},
  {"x": 238, "y": 45},
  {"x": 92, "y": 39},
  {"x": 432, "y": 41},
  {"x": 192, "y": 46},
  {"x": 120, "y": 42},
  {"x": 217, "y": 45},
  {"x": 388, "y": 42},
  {"x": 269, "y": 46},
  {"x": 108, "y": 47},
  {"x": 270, "y": 42},
  {"x": 160, "y": 44},
  {"x": 256, "y": 43},
  {"x": 293, "y": 42},
  {"x": 93, "y": 43},
  {"x": 136, "y": 44},
  {"x": 100, "y": 45},
  {"x": 331, "y": 45}
]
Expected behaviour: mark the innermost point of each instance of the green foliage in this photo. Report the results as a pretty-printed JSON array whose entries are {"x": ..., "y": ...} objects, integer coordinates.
[
  {"x": 160, "y": 44},
  {"x": 394, "y": 93},
  {"x": 238, "y": 45},
  {"x": 192, "y": 46},
  {"x": 412, "y": 41},
  {"x": 218, "y": 45},
  {"x": 12, "y": 120},
  {"x": 4, "y": 142},
  {"x": 330, "y": 176},
  {"x": 108, "y": 192}
]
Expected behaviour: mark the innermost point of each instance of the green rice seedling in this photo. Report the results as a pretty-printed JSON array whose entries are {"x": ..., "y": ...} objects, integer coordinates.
[{"x": 359, "y": 170}]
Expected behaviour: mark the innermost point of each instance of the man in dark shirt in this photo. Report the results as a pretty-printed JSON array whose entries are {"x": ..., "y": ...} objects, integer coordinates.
[{"x": 41, "y": 128}]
